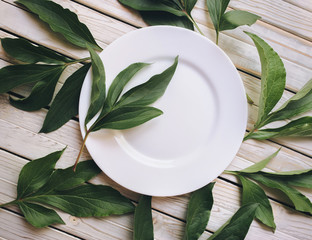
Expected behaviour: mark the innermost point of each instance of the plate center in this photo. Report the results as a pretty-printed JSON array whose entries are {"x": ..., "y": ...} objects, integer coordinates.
[{"x": 190, "y": 112}]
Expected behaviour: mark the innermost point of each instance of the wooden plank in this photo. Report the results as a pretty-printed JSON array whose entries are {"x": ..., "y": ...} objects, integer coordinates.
[
  {"x": 226, "y": 200},
  {"x": 113, "y": 227},
  {"x": 281, "y": 14},
  {"x": 288, "y": 159},
  {"x": 298, "y": 144},
  {"x": 69, "y": 135},
  {"x": 226, "y": 204},
  {"x": 110, "y": 228},
  {"x": 230, "y": 198},
  {"x": 3, "y": 54},
  {"x": 13, "y": 226},
  {"x": 26, "y": 24},
  {"x": 305, "y": 4},
  {"x": 252, "y": 86},
  {"x": 6, "y": 59},
  {"x": 297, "y": 75},
  {"x": 287, "y": 44}
]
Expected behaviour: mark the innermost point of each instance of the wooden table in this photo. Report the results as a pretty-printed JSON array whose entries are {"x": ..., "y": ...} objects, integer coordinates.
[{"x": 286, "y": 25}]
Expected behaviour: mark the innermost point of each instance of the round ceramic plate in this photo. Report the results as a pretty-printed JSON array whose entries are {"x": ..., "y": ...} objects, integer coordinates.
[{"x": 204, "y": 120}]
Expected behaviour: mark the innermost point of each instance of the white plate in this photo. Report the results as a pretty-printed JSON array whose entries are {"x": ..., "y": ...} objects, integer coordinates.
[{"x": 204, "y": 120}]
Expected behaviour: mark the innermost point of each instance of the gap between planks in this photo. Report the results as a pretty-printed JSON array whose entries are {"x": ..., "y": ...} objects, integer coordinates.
[
  {"x": 216, "y": 210},
  {"x": 25, "y": 113},
  {"x": 248, "y": 81},
  {"x": 61, "y": 134},
  {"x": 176, "y": 226},
  {"x": 116, "y": 10},
  {"x": 297, "y": 72},
  {"x": 304, "y": 4}
]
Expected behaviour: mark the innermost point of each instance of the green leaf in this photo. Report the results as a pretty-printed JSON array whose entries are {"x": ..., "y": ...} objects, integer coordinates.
[
  {"x": 237, "y": 227},
  {"x": 298, "y": 178},
  {"x": 26, "y": 52},
  {"x": 290, "y": 173},
  {"x": 235, "y": 18},
  {"x": 165, "y": 12},
  {"x": 304, "y": 180},
  {"x": 63, "y": 179},
  {"x": 63, "y": 189},
  {"x": 189, "y": 5},
  {"x": 301, "y": 102},
  {"x": 39, "y": 216},
  {"x": 120, "y": 82},
  {"x": 259, "y": 165},
  {"x": 301, "y": 127},
  {"x": 87, "y": 200},
  {"x": 126, "y": 117},
  {"x": 41, "y": 94},
  {"x": 301, "y": 202},
  {"x": 16, "y": 75},
  {"x": 118, "y": 85},
  {"x": 98, "y": 86},
  {"x": 148, "y": 92},
  {"x": 164, "y": 18},
  {"x": 273, "y": 77},
  {"x": 216, "y": 9},
  {"x": 62, "y": 21},
  {"x": 249, "y": 100},
  {"x": 229, "y": 20},
  {"x": 130, "y": 110},
  {"x": 143, "y": 222},
  {"x": 36, "y": 173},
  {"x": 198, "y": 212},
  {"x": 65, "y": 103},
  {"x": 252, "y": 193},
  {"x": 173, "y": 7}
]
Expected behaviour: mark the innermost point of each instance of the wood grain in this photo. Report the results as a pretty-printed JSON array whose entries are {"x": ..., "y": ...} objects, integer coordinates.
[
  {"x": 223, "y": 209},
  {"x": 287, "y": 156},
  {"x": 301, "y": 54},
  {"x": 295, "y": 146},
  {"x": 243, "y": 55},
  {"x": 13, "y": 226},
  {"x": 252, "y": 87},
  {"x": 108, "y": 20},
  {"x": 304, "y": 4},
  {"x": 280, "y": 14}
]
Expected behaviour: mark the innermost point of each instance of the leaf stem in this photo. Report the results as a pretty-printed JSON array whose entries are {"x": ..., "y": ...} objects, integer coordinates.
[
  {"x": 230, "y": 172},
  {"x": 217, "y": 37},
  {"x": 195, "y": 24},
  {"x": 8, "y": 203},
  {"x": 78, "y": 61},
  {"x": 81, "y": 149},
  {"x": 248, "y": 134},
  {"x": 249, "y": 100}
]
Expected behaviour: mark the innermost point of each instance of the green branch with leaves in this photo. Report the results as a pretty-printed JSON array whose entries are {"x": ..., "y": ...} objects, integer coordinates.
[
  {"x": 178, "y": 13},
  {"x": 43, "y": 67},
  {"x": 254, "y": 204},
  {"x": 273, "y": 80},
  {"x": 282, "y": 181},
  {"x": 126, "y": 111},
  {"x": 273, "y": 76},
  {"x": 40, "y": 186}
]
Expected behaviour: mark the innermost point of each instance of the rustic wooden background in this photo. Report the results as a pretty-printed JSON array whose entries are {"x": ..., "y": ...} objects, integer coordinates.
[{"x": 286, "y": 25}]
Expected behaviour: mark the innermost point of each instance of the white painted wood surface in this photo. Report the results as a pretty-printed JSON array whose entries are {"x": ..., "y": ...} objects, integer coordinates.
[{"x": 285, "y": 25}]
